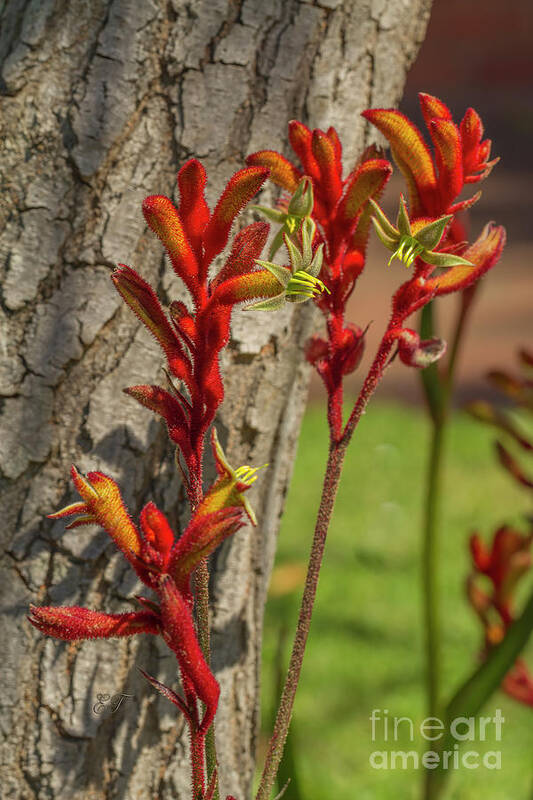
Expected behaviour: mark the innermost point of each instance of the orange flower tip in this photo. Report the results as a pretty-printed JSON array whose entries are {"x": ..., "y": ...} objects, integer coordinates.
[
  {"x": 87, "y": 519},
  {"x": 73, "y": 508},
  {"x": 81, "y": 484}
]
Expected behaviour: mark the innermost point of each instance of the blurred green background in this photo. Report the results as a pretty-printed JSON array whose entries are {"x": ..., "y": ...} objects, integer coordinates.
[{"x": 366, "y": 648}]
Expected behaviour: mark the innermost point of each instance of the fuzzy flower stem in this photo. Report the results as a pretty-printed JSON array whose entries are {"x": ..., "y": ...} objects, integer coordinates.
[
  {"x": 201, "y": 587},
  {"x": 283, "y": 717},
  {"x": 330, "y": 487},
  {"x": 371, "y": 381},
  {"x": 197, "y": 763}
]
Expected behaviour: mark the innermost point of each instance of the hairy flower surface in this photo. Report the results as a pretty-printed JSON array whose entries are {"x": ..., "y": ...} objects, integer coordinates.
[
  {"x": 192, "y": 338},
  {"x": 435, "y": 179}
]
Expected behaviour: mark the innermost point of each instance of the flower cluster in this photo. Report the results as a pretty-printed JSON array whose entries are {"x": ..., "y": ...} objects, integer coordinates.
[
  {"x": 426, "y": 237},
  {"x": 509, "y": 558},
  {"x": 165, "y": 565},
  {"x": 460, "y": 155},
  {"x": 341, "y": 212},
  {"x": 192, "y": 338},
  {"x": 504, "y": 564}
]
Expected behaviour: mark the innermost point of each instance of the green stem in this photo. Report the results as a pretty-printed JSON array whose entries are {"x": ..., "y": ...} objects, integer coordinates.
[
  {"x": 429, "y": 569},
  {"x": 201, "y": 585},
  {"x": 201, "y": 590}
]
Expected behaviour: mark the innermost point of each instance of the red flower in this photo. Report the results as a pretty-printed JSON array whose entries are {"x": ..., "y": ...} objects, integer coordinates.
[
  {"x": 504, "y": 564},
  {"x": 192, "y": 339},
  {"x": 460, "y": 157}
]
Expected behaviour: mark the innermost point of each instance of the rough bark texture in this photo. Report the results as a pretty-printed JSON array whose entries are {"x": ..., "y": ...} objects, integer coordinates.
[{"x": 101, "y": 102}]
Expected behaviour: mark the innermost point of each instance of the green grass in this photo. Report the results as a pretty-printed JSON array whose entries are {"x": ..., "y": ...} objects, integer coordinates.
[{"x": 365, "y": 650}]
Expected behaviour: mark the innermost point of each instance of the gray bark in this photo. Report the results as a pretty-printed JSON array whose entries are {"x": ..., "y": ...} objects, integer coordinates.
[{"x": 101, "y": 103}]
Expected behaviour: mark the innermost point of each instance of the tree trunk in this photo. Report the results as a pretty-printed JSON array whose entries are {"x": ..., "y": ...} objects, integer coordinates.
[{"x": 101, "y": 103}]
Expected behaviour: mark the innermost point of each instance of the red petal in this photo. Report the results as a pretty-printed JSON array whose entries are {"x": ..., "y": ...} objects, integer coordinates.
[
  {"x": 163, "y": 218},
  {"x": 412, "y": 156},
  {"x": 157, "y": 530},
  {"x": 193, "y": 209},
  {"x": 448, "y": 153},
  {"x": 300, "y": 138},
  {"x": 239, "y": 191},
  {"x": 330, "y": 183},
  {"x": 72, "y": 623},
  {"x": 143, "y": 301},
  {"x": 247, "y": 246},
  {"x": 484, "y": 254},
  {"x": 282, "y": 172}
]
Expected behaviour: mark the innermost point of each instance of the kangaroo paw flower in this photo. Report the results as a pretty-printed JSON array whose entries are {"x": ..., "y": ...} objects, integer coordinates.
[
  {"x": 72, "y": 623},
  {"x": 408, "y": 243}
]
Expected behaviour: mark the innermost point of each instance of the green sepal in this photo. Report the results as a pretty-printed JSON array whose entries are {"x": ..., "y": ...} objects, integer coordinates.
[
  {"x": 402, "y": 222},
  {"x": 444, "y": 259},
  {"x": 316, "y": 264},
  {"x": 298, "y": 298},
  {"x": 271, "y": 304},
  {"x": 271, "y": 213},
  {"x": 388, "y": 229},
  {"x": 282, "y": 274},
  {"x": 430, "y": 235},
  {"x": 308, "y": 234},
  {"x": 297, "y": 262},
  {"x": 388, "y": 241},
  {"x": 302, "y": 201}
]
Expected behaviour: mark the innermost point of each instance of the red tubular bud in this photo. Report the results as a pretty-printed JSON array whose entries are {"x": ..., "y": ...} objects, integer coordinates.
[
  {"x": 329, "y": 179},
  {"x": 180, "y": 634},
  {"x": 193, "y": 209},
  {"x": 164, "y": 219},
  {"x": 432, "y": 108},
  {"x": 163, "y": 403},
  {"x": 415, "y": 352},
  {"x": 156, "y": 530},
  {"x": 448, "y": 154},
  {"x": 282, "y": 172},
  {"x": 142, "y": 300},
  {"x": 72, "y": 623},
  {"x": 351, "y": 348},
  {"x": 316, "y": 350},
  {"x": 247, "y": 247},
  {"x": 411, "y": 154},
  {"x": 300, "y": 138},
  {"x": 239, "y": 191}
]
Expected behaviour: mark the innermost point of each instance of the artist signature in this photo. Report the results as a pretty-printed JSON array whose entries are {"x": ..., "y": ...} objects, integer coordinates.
[{"x": 109, "y": 703}]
